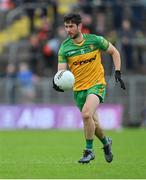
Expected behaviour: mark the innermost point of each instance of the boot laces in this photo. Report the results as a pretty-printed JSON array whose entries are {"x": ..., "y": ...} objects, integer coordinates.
[
  {"x": 86, "y": 153},
  {"x": 106, "y": 149}
]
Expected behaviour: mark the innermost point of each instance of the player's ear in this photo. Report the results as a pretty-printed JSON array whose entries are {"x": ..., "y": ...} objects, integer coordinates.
[{"x": 80, "y": 26}]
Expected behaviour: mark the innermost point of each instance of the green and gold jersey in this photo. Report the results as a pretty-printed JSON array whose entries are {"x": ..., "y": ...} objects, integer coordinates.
[{"x": 84, "y": 60}]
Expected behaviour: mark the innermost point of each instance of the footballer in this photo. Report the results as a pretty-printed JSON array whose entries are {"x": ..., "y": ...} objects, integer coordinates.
[{"x": 81, "y": 53}]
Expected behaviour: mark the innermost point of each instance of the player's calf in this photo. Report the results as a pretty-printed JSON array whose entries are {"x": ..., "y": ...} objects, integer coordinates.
[{"x": 107, "y": 151}]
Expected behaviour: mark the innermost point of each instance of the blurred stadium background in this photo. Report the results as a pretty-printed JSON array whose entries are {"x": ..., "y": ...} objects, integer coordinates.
[{"x": 30, "y": 35}]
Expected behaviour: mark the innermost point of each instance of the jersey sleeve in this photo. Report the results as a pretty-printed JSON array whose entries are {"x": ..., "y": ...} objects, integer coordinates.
[
  {"x": 103, "y": 44},
  {"x": 61, "y": 55}
]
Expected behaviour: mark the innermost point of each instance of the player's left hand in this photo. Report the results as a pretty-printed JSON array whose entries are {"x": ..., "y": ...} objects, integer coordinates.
[
  {"x": 56, "y": 87},
  {"x": 118, "y": 79}
]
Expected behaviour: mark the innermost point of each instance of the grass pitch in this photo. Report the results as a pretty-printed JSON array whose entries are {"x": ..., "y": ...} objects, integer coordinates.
[{"x": 53, "y": 154}]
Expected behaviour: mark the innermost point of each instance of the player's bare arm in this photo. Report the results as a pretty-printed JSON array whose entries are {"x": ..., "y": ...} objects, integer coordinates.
[
  {"x": 115, "y": 55},
  {"x": 117, "y": 62}
]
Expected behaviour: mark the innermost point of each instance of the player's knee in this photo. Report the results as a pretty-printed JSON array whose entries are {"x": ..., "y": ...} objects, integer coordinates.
[{"x": 86, "y": 115}]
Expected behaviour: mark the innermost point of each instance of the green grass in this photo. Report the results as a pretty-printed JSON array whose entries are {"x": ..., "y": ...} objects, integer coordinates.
[{"x": 53, "y": 154}]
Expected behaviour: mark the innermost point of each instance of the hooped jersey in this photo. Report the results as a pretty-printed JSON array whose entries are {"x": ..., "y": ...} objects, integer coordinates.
[{"x": 84, "y": 60}]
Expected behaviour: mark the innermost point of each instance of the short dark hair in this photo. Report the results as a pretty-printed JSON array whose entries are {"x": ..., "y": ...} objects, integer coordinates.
[{"x": 73, "y": 18}]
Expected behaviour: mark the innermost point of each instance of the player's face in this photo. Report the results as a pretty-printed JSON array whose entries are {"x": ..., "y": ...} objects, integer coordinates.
[{"x": 72, "y": 30}]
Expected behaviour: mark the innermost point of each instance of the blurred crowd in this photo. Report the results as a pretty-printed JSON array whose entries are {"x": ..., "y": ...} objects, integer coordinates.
[
  {"x": 33, "y": 54},
  {"x": 122, "y": 23}
]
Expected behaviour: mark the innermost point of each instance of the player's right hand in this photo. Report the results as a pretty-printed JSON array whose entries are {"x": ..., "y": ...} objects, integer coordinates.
[
  {"x": 118, "y": 79},
  {"x": 56, "y": 87}
]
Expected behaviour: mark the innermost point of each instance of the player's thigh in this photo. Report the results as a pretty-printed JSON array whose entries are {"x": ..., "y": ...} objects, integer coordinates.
[
  {"x": 95, "y": 95},
  {"x": 91, "y": 104}
]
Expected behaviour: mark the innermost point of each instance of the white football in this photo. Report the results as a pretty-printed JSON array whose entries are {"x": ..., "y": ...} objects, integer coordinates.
[{"x": 64, "y": 79}]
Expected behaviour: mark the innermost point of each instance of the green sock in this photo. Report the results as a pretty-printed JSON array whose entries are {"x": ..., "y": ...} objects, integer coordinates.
[
  {"x": 89, "y": 143},
  {"x": 104, "y": 141}
]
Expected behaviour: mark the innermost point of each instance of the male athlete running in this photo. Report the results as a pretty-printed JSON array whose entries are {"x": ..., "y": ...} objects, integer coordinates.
[{"x": 82, "y": 54}]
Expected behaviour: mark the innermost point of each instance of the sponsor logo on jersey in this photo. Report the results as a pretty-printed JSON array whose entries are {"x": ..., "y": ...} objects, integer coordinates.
[{"x": 84, "y": 61}]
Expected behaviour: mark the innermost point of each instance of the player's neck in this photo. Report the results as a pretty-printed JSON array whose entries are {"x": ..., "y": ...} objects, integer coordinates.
[{"x": 79, "y": 39}]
